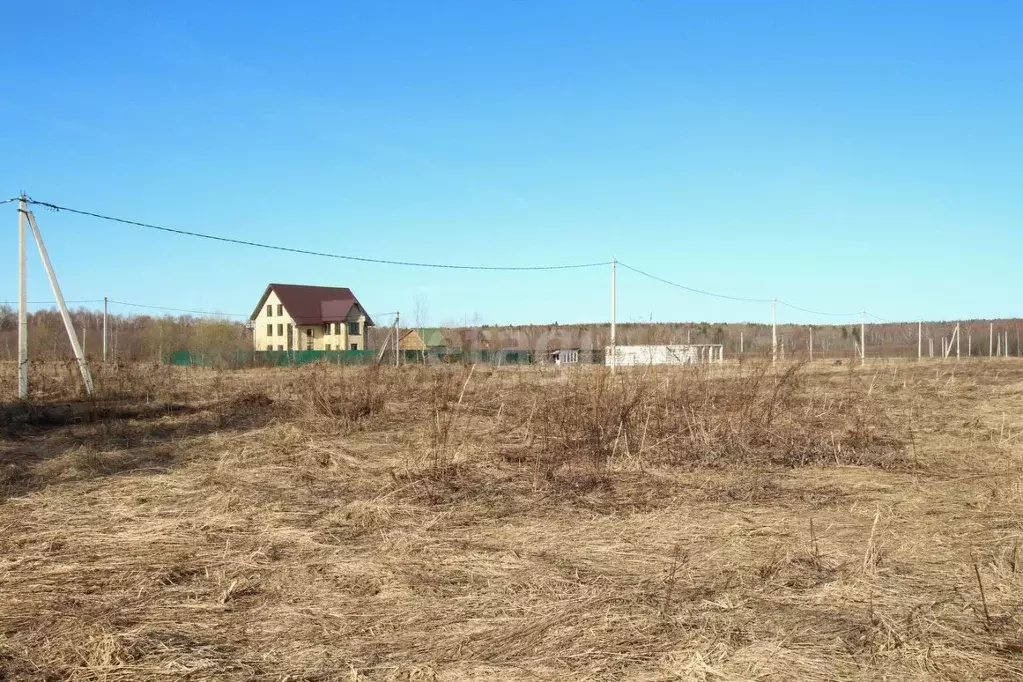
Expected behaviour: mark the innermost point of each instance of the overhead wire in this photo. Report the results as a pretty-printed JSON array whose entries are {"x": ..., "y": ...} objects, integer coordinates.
[
  {"x": 383, "y": 261},
  {"x": 743, "y": 299},
  {"x": 693, "y": 289},
  {"x": 94, "y": 300},
  {"x": 817, "y": 312},
  {"x": 307, "y": 252},
  {"x": 177, "y": 310}
]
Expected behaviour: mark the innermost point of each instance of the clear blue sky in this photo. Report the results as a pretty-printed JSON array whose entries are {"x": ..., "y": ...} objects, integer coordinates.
[{"x": 839, "y": 155}]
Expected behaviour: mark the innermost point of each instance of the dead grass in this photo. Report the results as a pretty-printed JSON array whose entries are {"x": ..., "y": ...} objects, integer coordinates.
[{"x": 454, "y": 523}]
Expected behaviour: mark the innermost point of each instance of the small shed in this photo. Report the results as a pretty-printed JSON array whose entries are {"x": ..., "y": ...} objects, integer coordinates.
[{"x": 565, "y": 356}]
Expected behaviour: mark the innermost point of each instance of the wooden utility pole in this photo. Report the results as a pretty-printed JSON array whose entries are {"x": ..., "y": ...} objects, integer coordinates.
[{"x": 22, "y": 302}]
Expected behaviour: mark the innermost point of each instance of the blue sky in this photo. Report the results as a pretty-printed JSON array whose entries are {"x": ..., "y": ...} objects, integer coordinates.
[{"x": 838, "y": 155}]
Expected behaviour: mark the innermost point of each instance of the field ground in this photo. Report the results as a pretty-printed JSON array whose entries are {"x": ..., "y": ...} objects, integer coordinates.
[{"x": 451, "y": 523}]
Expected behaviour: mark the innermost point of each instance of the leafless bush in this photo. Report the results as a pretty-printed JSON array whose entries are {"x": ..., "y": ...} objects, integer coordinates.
[
  {"x": 344, "y": 400},
  {"x": 694, "y": 417}
]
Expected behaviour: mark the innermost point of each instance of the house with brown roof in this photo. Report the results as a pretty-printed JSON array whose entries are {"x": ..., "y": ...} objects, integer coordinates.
[{"x": 300, "y": 317}]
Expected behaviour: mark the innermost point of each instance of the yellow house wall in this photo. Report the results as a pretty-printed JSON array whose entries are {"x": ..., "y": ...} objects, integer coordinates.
[{"x": 261, "y": 340}]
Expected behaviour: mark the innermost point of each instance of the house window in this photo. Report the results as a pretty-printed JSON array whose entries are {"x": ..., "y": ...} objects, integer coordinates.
[
  {"x": 280, "y": 329},
  {"x": 327, "y": 346},
  {"x": 269, "y": 347},
  {"x": 309, "y": 333},
  {"x": 337, "y": 328},
  {"x": 269, "y": 330},
  {"x": 353, "y": 328},
  {"x": 355, "y": 346},
  {"x": 326, "y": 329},
  {"x": 280, "y": 310},
  {"x": 269, "y": 310}
]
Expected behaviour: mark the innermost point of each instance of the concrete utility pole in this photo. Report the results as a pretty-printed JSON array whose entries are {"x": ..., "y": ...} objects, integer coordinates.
[
  {"x": 741, "y": 345},
  {"x": 105, "y": 307},
  {"x": 774, "y": 330},
  {"x": 65, "y": 315},
  {"x": 957, "y": 340},
  {"x": 863, "y": 337},
  {"x": 614, "y": 314},
  {"x": 22, "y": 303}
]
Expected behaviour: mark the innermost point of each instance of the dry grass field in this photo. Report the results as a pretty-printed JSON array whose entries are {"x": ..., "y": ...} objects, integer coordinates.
[{"x": 454, "y": 523}]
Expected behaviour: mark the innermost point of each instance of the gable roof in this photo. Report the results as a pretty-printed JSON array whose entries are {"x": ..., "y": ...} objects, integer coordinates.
[
  {"x": 313, "y": 305},
  {"x": 432, "y": 337}
]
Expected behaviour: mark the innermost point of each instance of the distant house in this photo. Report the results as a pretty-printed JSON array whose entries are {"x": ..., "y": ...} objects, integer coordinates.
[
  {"x": 300, "y": 317},
  {"x": 423, "y": 339}
]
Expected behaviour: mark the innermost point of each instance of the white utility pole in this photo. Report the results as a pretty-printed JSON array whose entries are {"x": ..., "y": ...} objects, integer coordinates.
[
  {"x": 105, "y": 330},
  {"x": 998, "y": 346},
  {"x": 863, "y": 337},
  {"x": 77, "y": 347},
  {"x": 930, "y": 347},
  {"x": 774, "y": 330},
  {"x": 741, "y": 348},
  {"x": 614, "y": 314},
  {"x": 919, "y": 340},
  {"x": 22, "y": 304},
  {"x": 969, "y": 345},
  {"x": 957, "y": 341},
  {"x": 397, "y": 318}
]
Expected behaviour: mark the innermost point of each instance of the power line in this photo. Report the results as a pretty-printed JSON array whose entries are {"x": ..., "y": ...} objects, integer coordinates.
[
  {"x": 43, "y": 303},
  {"x": 176, "y": 310},
  {"x": 816, "y": 312},
  {"x": 695, "y": 291},
  {"x": 306, "y": 252}
]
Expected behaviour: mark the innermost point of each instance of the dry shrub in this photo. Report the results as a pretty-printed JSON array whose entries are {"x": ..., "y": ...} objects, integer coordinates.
[
  {"x": 344, "y": 400},
  {"x": 580, "y": 429},
  {"x": 693, "y": 417}
]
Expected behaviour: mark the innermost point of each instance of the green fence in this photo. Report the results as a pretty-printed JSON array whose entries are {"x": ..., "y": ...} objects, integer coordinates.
[{"x": 240, "y": 358}]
